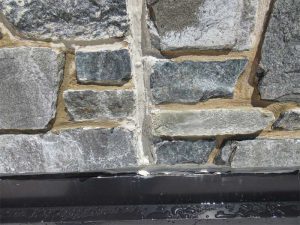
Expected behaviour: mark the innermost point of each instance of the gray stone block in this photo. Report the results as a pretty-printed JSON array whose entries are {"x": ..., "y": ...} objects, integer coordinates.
[
  {"x": 205, "y": 24},
  {"x": 190, "y": 82},
  {"x": 268, "y": 153},
  {"x": 288, "y": 120},
  {"x": 210, "y": 122},
  {"x": 67, "y": 19},
  {"x": 280, "y": 61},
  {"x": 76, "y": 150},
  {"x": 93, "y": 105},
  {"x": 30, "y": 79},
  {"x": 103, "y": 67},
  {"x": 176, "y": 152}
]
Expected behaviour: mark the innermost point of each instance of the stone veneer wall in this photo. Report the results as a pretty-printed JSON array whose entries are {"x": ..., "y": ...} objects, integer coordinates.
[{"x": 93, "y": 85}]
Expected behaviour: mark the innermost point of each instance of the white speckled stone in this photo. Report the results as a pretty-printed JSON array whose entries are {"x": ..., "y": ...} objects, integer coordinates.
[
  {"x": 280, "y": 60},
  {"x": 203, "y": 24},
  {"x": 76, "y": 150},
  {"x": 67, "y": 19},
  {"x": 268, "y": 153},
  {"x": 30, "y": 79},
  {"x": 288, "y": 120},
  {"x": 93, "y": 105}
]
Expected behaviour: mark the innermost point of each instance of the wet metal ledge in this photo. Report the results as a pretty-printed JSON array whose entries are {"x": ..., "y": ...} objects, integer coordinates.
[{"x": 152, "y": 198}]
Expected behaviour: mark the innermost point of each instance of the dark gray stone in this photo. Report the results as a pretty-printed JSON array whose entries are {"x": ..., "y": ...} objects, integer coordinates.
[
  {"x": 103, "y": 67},
  {"x": 280, "y": 61},
  {"x": 175, "y": 152},
  {"x": 210, "y": 122},
  {"x": 93, "y": 105},
  {"x": 30, "y": 78},
  {"x": 77, "y": 150},
  {"x": 266, "y": 153},
  {"x": 203, "y": 24},
  {"x": 289, "y": 120},
  {"x": 67, "y": 19},
  {"x": 190, "y": 82}
]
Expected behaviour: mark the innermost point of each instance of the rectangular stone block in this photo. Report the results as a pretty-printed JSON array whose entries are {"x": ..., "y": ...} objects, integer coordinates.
[
  {"x": 178, "y": 152},
  {"x": 75, "y": 150},
  {"x": 280, "y": 62},
  {"x": 264, "y": 153},
  {"x": 190, "y": 82},
  {"x": 95, "y": 105},
  {"x": 67, "y": 19},
  {"x": 210, "y": 122},
  {"x": 30, "y": 79},
  {"x": 107, "y": 67},
  {"x": 204, "y": 25}
]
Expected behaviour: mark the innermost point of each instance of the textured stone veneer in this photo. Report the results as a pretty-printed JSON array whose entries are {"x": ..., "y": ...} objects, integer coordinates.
[{"x": 98, "y": 85}]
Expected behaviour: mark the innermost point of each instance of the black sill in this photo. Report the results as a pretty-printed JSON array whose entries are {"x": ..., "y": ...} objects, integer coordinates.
[{"x": 129, "y": 198}]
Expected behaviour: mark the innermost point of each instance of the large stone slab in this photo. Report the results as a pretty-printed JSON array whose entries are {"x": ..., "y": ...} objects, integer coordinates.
[
  {"x": 266, "y": 153},
  {"x": 190, "y": 82},
  {"x": 94, "y": 105},
  {"x": 288, "y": 120},
  {"x": 280, "y": 60},
  {"x": 67, "y": 19},
  {"x": 210, "y": 122},
  {"x": 176, "y": 152},
  {"x": 203, "y": 24},
  {"x": 103, "y": 67},
  {"x": 76, "y": 150},
  {"x": 30, "y": 78}
]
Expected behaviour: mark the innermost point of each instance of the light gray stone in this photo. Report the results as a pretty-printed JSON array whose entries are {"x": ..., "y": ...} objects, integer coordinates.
[
  {"x": 288, "y": 120},
  {"x": 280, "y": 61},
  {"x": 210, "y": 122},
  {"x": 203, "y": 24},
  {"x": 269, "y": 153},
  {"x": 103, "y": 67},
  {"x": 30, "y": 78},
  {"x": 76, "y": 150},
  {"x": 190, "y": 82},
  {"x": 93, "y": 105},
  {"x": 175, "y": 152},
  {"x": 67, "y": 19}
]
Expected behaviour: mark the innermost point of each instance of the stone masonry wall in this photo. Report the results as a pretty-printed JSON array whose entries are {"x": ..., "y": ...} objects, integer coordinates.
[{"x": 96, "y": 85}]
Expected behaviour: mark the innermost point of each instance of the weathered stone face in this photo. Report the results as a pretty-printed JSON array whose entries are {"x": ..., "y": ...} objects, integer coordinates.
[
  {"x": 94, "y": 105},
  {"x": 67, "y": 19},
  {"x": 203, "y": 24},
  {"x": 262, "y": 153},
  {"x": 289, "y": 120},
  {"x": 190, "y": 82},
  {"x": 77, "y": 150},
  {"x": 103, "y": 67},
  {"x": 30, "y": 78},
  {"x": 175, "y": 152},
  {"x": 281, "y": 54},
  {"x": 210, "y": 122}
]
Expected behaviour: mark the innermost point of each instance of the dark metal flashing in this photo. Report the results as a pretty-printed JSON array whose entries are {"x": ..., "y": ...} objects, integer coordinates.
[{"x": 171, "y": 197}]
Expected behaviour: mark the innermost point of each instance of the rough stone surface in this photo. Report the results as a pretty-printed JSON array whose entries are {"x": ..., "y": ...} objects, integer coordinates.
[
  {"x": 204, "y": 24},
  {"x": 262, "y": 153},
  {"x": 92, "y": 105},
  {"x": 190, "y": 82},
  {"x": 289, "y": 120},
  {"x": 175, "y": 152},
  {"x": 280, "y": 61},
  {"x": 74, "y": 150},
  {"x": 210, "y": 122},
  {"x": 30, "y": 78},
  {"x": 67, "y": 19},
  {"x": 103, "y": 67}
]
